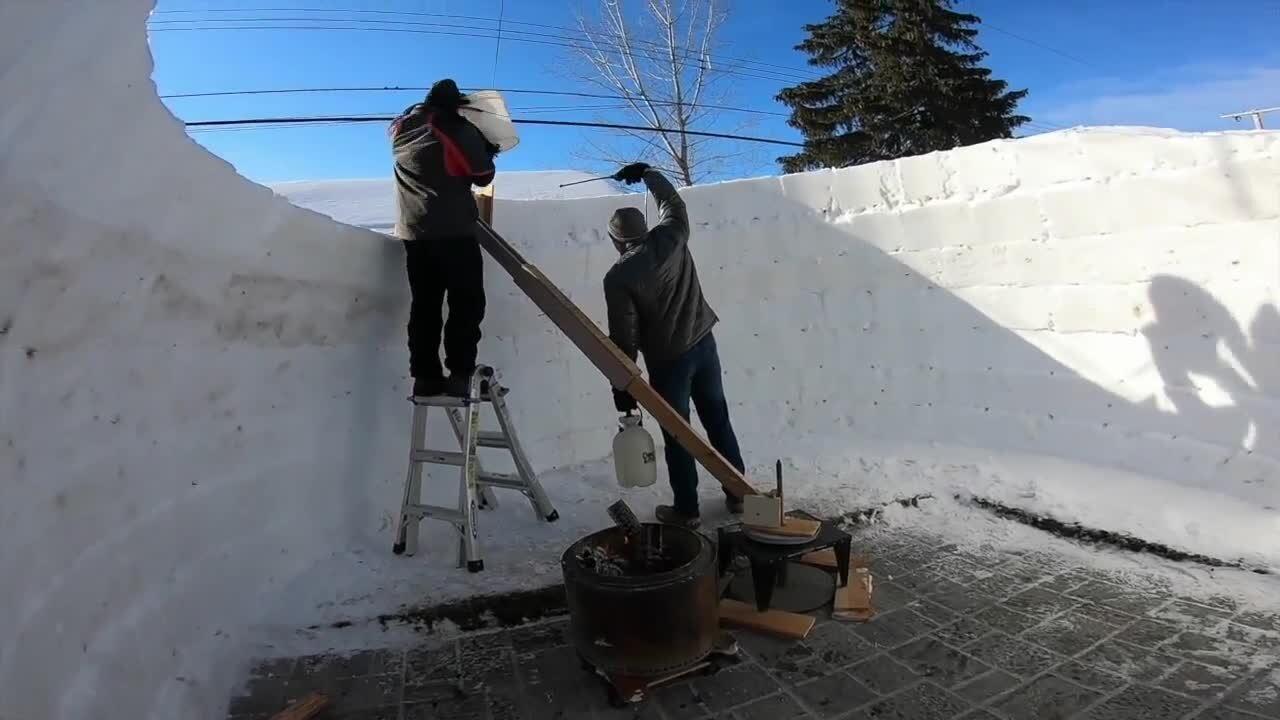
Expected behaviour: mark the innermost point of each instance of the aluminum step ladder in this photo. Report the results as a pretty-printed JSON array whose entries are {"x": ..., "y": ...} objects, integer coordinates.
[{"x": 475, "y": 485}]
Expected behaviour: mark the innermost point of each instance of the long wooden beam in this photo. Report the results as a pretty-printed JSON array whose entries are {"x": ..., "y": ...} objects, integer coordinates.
[{"x": 617, "y": 368}]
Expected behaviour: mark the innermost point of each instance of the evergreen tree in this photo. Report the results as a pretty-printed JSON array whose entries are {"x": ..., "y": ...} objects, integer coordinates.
[{"x": 905, "y": 81}]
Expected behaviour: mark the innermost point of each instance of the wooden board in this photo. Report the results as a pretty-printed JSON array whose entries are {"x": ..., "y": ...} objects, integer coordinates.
[
  {"x": 791, "y": 527},
  {"x": 616, "y": 367},
  {"x": 304, "y": 709},
  {"x": 825, "y": 559},
  {"x": 779, "y": 623},
  {"x": 855, "y": 601}
]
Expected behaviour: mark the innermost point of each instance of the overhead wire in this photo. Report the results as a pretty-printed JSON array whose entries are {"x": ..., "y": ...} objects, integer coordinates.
[{"x": 687, "y": 52}]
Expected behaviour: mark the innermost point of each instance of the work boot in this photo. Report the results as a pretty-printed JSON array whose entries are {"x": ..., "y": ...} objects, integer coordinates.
[
  {"x": 668, "y": 515},
  {"x": 458, "y": 385},
  {"x": 428, "y": 386},
  {"x": 733, "y": 504}
]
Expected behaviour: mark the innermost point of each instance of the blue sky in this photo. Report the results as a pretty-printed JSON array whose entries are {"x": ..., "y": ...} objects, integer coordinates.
[{"x": 1164, "y": 63}]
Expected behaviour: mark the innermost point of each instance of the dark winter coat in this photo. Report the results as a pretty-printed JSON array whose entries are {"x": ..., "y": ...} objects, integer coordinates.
[
  {"x": 655, "y": 302},
  {"x": 438, "y": 158}
]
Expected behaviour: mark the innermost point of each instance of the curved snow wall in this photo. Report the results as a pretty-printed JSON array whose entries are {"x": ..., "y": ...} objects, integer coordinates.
[{"x": 202, "y": 391}]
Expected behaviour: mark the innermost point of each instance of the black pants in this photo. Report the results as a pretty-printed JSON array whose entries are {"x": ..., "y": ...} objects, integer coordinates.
[{"x": 439, "y": 267}]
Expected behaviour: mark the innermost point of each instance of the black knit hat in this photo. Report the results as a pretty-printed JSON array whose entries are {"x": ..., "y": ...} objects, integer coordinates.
[
  {"x": 627, "y": 227},
  {"x": 444, "y": 95}
]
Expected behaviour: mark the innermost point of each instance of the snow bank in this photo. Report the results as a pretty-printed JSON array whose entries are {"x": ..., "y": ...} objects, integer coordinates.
[{"x": 202, "y": 416}]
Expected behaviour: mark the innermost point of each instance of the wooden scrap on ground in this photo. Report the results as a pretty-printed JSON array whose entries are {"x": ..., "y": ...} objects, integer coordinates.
[
  {"x": 854, "y": 601},
  {"x": 304, "y": 709},
  {"x": 779, "y": 623},
  {"x": 825, "y": 559}
]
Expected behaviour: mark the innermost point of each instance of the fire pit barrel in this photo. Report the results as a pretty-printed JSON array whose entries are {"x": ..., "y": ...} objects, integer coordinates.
[{"x": 645, "y": 605}]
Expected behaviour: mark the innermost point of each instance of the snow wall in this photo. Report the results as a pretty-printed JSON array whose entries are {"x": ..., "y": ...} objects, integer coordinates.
[{"x": 202, "y": 387}]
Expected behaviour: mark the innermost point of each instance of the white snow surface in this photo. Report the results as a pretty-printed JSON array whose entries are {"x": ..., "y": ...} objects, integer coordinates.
[
  {"x": 203, "y": 427},
  {"x": 371, "y": 203}
]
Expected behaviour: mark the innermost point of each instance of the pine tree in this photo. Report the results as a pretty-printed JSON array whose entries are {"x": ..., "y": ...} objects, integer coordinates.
[{"x": 906, "y": 80}]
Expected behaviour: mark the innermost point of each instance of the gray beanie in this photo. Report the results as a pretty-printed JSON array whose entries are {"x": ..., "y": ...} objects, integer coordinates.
[{"x": 627, "y": 227}]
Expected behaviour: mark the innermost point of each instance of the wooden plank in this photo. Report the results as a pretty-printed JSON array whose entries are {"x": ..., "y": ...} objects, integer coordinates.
[
  {"x": 779, "y": 623},
  {"x": 825, "y": 559},
  {"x": 855, "y": 601},
  {"x": 616, "y": 367},
  {"x": 791, "y": 527},
  {"x": 305, "y": 709}
]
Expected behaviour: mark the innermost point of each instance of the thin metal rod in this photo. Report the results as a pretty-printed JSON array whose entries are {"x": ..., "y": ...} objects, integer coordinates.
[{"x": 579, "y": 182}]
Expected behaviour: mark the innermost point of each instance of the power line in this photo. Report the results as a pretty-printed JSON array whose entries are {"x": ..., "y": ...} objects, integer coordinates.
[
  {"x": 521, "y": 121},
  {"x": 544, "y": 26},
  {"x": 510, "y": 91},
  {"x": 1040, "y": 45}
]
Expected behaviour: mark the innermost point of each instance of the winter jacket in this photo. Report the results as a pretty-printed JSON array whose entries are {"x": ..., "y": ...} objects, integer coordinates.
[
  {"x": 438, "y": 157},
  {"x": 655, "y": 302}
]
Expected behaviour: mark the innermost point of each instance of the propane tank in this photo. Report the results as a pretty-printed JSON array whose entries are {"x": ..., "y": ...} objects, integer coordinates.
[{"x": 634, "y": 459}]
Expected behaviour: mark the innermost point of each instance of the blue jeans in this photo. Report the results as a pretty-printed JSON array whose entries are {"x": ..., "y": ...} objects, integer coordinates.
[{"x": 695, "y": 376}]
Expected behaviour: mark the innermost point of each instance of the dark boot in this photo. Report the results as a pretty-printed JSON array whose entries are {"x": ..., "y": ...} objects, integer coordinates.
[
  {"x": 458, "y": 385},
  {"x": 428, "y": 386},
  {"x": 668, "y": 515}
]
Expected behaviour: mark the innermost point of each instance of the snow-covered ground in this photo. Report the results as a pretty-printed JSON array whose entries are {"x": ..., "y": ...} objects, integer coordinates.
[
  {"x": 202, "y": 419},
  {"x": 371, "y": 203}
]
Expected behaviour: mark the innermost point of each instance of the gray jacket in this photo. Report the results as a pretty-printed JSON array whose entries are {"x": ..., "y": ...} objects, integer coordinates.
[
  {"x": 655, "y": 301},
  {"x": 439, "y": 156}
]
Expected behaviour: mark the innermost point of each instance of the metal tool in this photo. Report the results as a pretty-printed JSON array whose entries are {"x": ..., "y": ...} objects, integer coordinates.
[
  {"x": 580, "y": 182},
  {"x": 475, "y": 485}
]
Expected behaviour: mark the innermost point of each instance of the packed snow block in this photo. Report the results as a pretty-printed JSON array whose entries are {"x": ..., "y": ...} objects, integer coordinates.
[
  {"x": 1100, "y": 308},
  {"x": 984, "y": 171},
  {"x": 863, "y": 188},
  {"x": 924, "y": 178},
  {"x": 1120, "y": 154},
  {"x": 1051, "y": 159}
]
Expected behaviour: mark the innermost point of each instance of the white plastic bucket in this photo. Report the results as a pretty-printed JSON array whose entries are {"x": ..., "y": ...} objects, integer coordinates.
[{"x": 488, "y": 112}]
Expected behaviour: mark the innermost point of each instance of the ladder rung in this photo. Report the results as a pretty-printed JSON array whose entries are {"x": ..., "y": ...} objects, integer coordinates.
[
  {"x": 435, "y": 511},
  {"x": 501, "y": 480},
  {"x": 437, "y": 457},
  {"x": 490, "y": 439},
  {"x": 445, "y": 401}
]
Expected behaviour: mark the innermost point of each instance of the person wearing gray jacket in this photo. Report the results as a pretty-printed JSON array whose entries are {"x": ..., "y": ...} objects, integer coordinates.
[{"x": 656, "y": 308}]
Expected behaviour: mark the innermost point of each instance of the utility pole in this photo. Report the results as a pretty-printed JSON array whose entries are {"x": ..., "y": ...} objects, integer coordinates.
[{"x": 1255, "y": 114}]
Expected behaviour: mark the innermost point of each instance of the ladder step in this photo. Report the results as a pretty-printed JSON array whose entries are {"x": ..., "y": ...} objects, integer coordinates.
[
  {"x": 490, "y": 439},
  {"x": 435, "y": 511},
  {"x": 438, "y": 457},
  {"x": 502, "y": 480}
]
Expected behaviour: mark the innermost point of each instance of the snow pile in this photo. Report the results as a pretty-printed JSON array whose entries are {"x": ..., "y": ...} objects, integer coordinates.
[
  {"x": 371, "y": 203},
  {"x": 202, "y": 386}
]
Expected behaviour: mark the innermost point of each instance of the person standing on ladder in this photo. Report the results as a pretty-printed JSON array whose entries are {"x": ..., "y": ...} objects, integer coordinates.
[
  {"x": 656, "y": 307},
  {"x": 439, "y": 155}
]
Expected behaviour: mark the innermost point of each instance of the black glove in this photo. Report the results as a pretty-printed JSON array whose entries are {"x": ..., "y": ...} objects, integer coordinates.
[
  {"x": 623, "y": 402},
  {"x": 632, "y": 173},
  {"x": 491, "y": 149}
]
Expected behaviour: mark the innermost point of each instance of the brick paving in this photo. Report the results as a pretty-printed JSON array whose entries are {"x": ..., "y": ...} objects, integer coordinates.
[{"x": 960, "y": 635}]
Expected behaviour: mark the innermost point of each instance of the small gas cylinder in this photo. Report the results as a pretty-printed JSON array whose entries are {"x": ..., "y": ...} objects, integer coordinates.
[{"x": 634, "y": 459}]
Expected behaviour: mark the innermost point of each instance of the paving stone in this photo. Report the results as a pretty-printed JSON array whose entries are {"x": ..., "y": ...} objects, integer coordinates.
[
  {"x": 533, "y": 638},
  {"x": 556, "y": 667},
  {"x": 734, "y": 686},
  {"x": 368, "y": 662},
  {"x": 486, "y": 665},
  {"x": 1225, "y": 713},
  {"x": 960, "y": 599},
  {"x": 890, "y": 596},
  {"x": 1149, "y": 633},
  {"x": 997, "y": 585},
  {"x": 795, "y": 673},
  {"x": 1139, "y": 702},
  {"x": 1261, "y": 639},
  {"x": 1027, "y": 572},
  {"x": 1109, "y": 615},
  {"x": 986, "y": 686},
  {"x": 1068, "y": 634},
  {"x": 1210, "y": 650},
  {"x": 1040, "y": 602},
  {"x": 1007, "y": 619},
  {"x": 1188, "y": 614},
  {"x": 1010, "y": 654},
  {"x": 769, "y": 651},
  {"x": 1048, "y": 697},
  {"x": 504, "y": 702},
  {"x": 933, "y": 612},
  {"x": 274, "y": 668},
  {"x": 962, "y": 632},
  {"x": 385, "y": 713},
  {"x": 1117, "y": 598},
  {"x": 469, "y": 708},
  {"x": 883, "y": 674},
  {"x": 1129, "y": 661},
  {"x": 834, "y": 644},
  {"x": 891, "y": 629},
  {"x": 944, "y": 665},
  {"x": 774, "y": 707},
  {"x": 1259, "y": 620},
  {"x": 430, "y": 663},
  {"x": 924, "y": 701},
  {"x": 1202, "y": 681},
  {"x": 1259, "y": 694},
  {"x": 1090, "y": 677},
  {"x": 680, "y": 702},
  {"x": 977, "y": 715},
  {"x": 261, "y": 695},
  {"x": 364, "y": 693},
  {"x": 1066, "y": 581},
  {"x": 834, "y": 695}
]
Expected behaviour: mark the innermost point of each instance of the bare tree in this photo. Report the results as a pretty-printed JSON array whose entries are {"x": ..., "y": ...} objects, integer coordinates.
[{"x": 658, "y": 60}]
